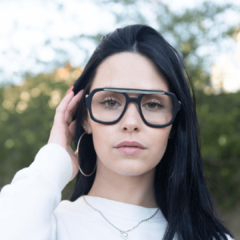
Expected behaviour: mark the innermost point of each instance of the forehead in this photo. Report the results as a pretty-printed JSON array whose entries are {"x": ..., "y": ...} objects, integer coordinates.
[{"x": 129, "y": 70}]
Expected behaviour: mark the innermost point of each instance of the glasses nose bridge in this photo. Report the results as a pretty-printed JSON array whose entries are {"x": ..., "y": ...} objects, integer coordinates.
[{"x": 134, "y": 100}]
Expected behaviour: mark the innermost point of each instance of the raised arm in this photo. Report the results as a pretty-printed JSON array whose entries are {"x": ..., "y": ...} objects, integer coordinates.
[{"x": 28, "y": 202}]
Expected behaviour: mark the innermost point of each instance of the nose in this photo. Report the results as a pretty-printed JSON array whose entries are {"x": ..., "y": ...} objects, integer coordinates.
[{"x": 131, "y": 120}]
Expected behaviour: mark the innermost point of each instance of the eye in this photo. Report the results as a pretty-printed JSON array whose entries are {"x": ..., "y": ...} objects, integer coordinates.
[
  {"x": 154, "y": 105},
  {"x": 110, "y": 103}
]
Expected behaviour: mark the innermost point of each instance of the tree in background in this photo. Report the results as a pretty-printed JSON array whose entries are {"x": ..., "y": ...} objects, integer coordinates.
[
  {"x": 27, "y": 111},
  {"x": 197, "y": 33},
  {"x": 219, "y": 119},
  {"x": 26, "y": 117},
  {"x": 27, "y": 114}
]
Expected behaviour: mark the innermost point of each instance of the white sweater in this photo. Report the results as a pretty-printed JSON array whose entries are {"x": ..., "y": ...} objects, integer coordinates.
[{"x": 31, "y": 207}]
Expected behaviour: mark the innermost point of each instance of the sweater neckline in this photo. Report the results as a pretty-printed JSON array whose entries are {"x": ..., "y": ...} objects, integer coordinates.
[{"x": 122, "y": 210}]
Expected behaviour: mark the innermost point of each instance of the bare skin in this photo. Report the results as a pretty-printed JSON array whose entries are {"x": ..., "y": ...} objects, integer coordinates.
[{"x": 120, "y": 177}]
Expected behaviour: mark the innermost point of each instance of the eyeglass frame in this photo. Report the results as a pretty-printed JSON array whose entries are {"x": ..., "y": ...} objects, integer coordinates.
[{"x": 176, "y": 103}]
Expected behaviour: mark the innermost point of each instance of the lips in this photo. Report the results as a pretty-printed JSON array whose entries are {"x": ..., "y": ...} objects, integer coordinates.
[{"x": 130, "y": 144}]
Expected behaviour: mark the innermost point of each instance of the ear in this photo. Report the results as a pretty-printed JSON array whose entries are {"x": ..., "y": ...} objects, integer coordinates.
[{"x": 87, "y": 126}]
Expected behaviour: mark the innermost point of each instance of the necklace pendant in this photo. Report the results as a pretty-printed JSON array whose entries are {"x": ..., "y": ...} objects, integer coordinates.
[{"x": 124, "y": 235}]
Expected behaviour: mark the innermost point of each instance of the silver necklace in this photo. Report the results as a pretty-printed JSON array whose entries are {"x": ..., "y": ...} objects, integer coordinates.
[{"x": 124, "y": 234}]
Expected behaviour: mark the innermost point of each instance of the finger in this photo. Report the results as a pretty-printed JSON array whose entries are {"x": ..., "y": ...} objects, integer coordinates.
[
  {"x": 75, "y": 100},
  {"x": 72, "y": 106},
  {"x": 72, "y": 129},
  {"x": 60, "y": 110}
]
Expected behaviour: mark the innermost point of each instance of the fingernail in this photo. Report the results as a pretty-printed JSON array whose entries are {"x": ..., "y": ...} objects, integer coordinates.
[{"x": 70, "y": 89}]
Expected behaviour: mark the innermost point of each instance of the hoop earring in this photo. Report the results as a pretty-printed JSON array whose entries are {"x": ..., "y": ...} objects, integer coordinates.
[{"x": 86, "y": 175}]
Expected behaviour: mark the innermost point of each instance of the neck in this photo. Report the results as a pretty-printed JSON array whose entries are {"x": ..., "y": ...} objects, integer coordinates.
[{"x": 136, "y": 190}]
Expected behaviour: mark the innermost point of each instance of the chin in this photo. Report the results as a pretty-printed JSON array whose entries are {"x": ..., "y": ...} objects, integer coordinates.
[{"x": 131, "y": 168}]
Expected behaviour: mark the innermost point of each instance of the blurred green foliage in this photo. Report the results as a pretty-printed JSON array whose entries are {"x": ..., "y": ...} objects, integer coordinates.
[
  {"x": 219, "y": 120},
  {"x": 26, "y": 117},
  {"x": 198, "y": 33},
  {"x": 27, "y": 113}
]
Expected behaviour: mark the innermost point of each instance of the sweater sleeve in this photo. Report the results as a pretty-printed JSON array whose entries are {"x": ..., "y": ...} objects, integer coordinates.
[{"x": 28, "y": 202}]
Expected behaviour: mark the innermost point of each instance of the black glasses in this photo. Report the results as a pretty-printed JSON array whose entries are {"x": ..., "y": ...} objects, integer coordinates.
[{"x": 108, "y": 105}]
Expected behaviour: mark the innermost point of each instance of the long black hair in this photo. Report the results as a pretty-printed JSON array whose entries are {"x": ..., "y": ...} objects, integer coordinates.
[{"x": 179, "y": 184}]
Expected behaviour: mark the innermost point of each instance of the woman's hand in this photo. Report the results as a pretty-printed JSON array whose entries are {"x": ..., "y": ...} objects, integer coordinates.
[{"x": 63, "y": 130}]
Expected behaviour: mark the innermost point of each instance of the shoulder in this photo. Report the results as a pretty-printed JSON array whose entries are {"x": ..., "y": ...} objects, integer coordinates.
[
  {"x": 67, "y": 208},
  {"x": 74, "y": 218},
  {"x": 229, "y": 238}
]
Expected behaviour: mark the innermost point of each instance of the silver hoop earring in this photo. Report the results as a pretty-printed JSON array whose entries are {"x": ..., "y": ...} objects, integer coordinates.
[{"x": 86, "y": 175}]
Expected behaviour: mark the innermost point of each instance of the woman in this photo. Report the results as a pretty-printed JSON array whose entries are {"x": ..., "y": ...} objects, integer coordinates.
[{"x": 139, "y": 174}]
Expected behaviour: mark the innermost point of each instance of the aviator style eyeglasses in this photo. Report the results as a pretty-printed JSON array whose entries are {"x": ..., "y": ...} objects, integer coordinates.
[{"x": 157, "y": 108}]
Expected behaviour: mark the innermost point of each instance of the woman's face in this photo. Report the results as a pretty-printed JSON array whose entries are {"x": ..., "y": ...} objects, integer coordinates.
[{"x": 128, "y": 70}]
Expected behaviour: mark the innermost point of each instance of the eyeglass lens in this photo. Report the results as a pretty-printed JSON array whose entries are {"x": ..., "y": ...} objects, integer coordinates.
[{"x": 156, "y": 108}]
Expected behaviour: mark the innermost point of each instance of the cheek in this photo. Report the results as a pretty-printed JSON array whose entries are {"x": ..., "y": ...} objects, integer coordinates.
[{"x": 101, "y": 138}]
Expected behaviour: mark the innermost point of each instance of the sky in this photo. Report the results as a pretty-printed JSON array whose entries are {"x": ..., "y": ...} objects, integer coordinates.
[{"x": 27, "y": 27}]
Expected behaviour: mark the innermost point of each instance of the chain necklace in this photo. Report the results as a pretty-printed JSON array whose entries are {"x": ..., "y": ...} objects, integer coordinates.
[{"x": 124, "y": 234}]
